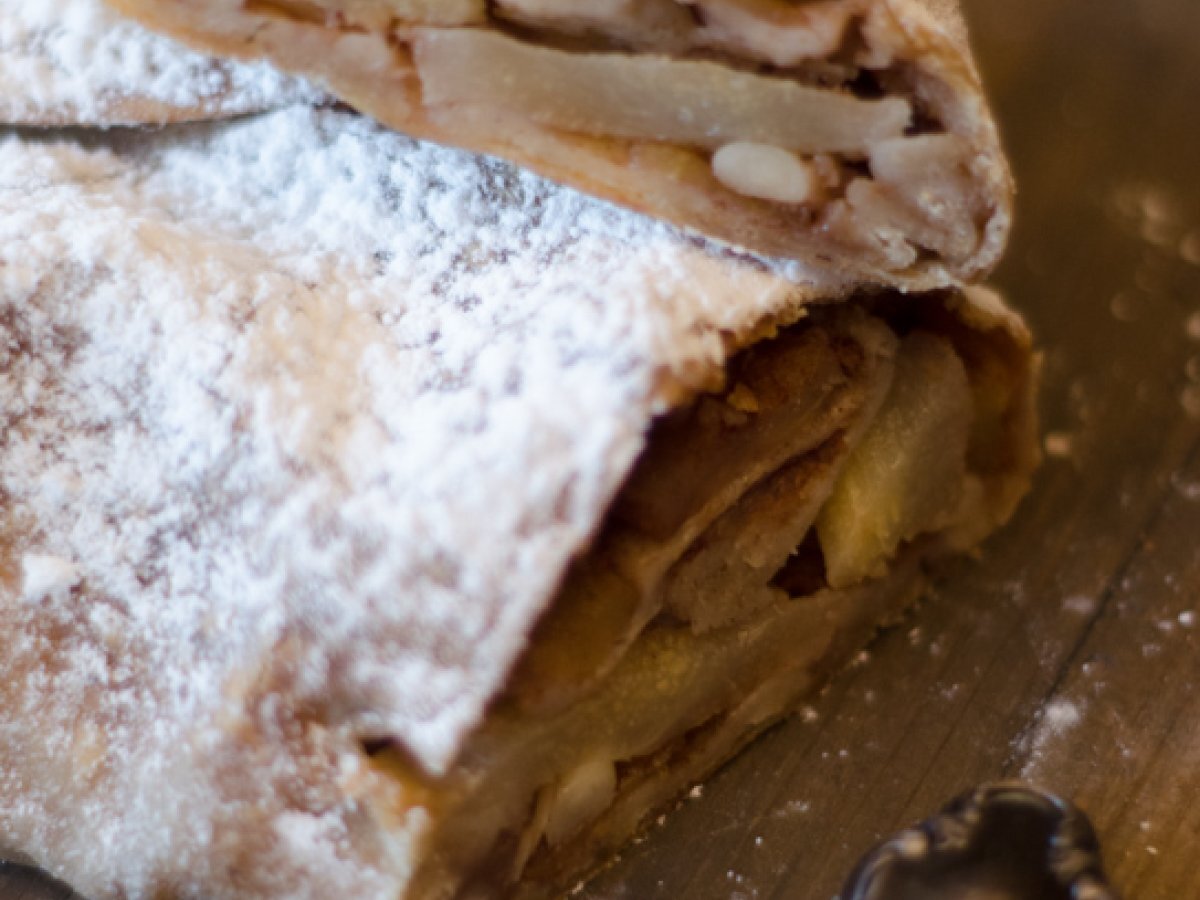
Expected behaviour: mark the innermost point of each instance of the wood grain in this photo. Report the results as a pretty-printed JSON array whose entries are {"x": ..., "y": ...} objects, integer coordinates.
[{"x": 1068, "y": 654}]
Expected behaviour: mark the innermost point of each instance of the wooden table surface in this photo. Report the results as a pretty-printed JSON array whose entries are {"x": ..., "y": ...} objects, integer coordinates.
[{"x": 1069, "y": 653}]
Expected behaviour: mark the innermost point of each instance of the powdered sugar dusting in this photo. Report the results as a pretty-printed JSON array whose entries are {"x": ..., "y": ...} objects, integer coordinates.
[
  {"x": 1055, "y": 721},
  {"x": 317, "y": 415},
  {"x": 75, "y": 61},
  {"x": 43, "y": 575}
]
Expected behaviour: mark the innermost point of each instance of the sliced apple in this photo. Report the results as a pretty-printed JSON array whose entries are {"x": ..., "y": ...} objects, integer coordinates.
[
  {"x": 663, "y": 25},
  {"x": 440, "y": 12},
  {"x": 579, "y": 797},
  {"x": 783, "y": 34},
  {"x": 651, "y": 98},
  {"x": 907, "y": 475}
]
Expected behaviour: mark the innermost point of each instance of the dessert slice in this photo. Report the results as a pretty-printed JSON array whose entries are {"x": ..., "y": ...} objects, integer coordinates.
[
  {"x": 76, "y": 62},
  {"x": 766, "y": 532},
  {"x": 851, "y": 135},
  {"x": 382, "y": 521}
]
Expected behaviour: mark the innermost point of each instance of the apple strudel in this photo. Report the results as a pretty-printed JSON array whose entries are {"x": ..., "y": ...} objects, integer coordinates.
[
  {"x": 383, "y": 521},
  {"x": 850, "y": 135}
]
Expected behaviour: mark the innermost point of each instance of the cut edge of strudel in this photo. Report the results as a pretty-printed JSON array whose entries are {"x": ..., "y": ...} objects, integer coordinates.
[
  {"x": 769, "y": 529},
  {"x": 849, "y": 135}
]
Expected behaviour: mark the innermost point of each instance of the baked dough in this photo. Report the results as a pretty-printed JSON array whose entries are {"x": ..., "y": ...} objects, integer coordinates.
[
  {"x": 75, "y": 62},
  {"x": 329, "y": 458},
  {"x": 766, "y": 532},
  {"x": 849, "y": 135}
]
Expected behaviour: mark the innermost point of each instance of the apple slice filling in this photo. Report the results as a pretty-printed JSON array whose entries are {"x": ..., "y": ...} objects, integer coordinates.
[
  {"x": 795, "y": 137},
  {"x": 775, "y": 434},
  {"x": 697, "y": 103},
  {"x": 907, "y": 475},
  {"x": 760, "y": 532}
]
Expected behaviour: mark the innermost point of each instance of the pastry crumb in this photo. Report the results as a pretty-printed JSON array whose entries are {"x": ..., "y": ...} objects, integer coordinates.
[
  {"x": 1080, "y": 605},
  {"x": 1059, "y": 445}
]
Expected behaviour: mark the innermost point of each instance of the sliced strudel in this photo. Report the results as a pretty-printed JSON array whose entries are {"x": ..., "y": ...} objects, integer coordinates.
[
  {"x": 851, "y": 135},
  {"x": 76, "y": 62},
  {"x": 381, "y": 521}
]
